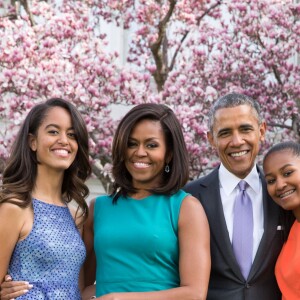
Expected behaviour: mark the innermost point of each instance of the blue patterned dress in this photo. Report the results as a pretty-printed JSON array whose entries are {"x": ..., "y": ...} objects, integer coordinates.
[{"x": 51, "y": 256}]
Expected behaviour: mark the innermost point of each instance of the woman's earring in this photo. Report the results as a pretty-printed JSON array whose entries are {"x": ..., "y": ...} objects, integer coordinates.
[{"x": 167, "y": 168}]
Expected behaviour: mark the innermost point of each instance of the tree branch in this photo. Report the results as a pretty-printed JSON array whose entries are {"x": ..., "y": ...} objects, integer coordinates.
[
  {"x": 160, "y": 73},
  {"x": 280, "y": 125},
  {"x": 26, "y": 6},
  {"x": 274, "y": 69},
  {"x": 188, "y": 31}
]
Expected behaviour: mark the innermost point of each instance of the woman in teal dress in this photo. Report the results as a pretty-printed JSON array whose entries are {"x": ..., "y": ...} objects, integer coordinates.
[{"x": 148, "y": 239}]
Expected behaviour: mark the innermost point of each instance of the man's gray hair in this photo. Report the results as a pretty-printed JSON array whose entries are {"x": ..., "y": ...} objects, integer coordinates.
[{"x": 233, "y": 100}]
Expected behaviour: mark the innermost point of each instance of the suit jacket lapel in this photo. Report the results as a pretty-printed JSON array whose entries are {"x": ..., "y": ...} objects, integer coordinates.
[
  {"x": 211, "y": 200},
  {"x": 271, "y": 217}
]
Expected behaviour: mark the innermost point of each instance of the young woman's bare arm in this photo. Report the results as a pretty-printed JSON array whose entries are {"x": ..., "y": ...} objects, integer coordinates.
[
  {"x": 90, "y": 262},
  {"x": 14, "y": 226}
]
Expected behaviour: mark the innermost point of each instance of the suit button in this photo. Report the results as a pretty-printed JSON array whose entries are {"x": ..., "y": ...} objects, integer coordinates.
[{"x": 247, "y": 286}]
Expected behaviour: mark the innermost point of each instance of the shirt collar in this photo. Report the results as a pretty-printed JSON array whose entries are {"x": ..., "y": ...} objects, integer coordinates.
[{"x": 229, "y": 181}]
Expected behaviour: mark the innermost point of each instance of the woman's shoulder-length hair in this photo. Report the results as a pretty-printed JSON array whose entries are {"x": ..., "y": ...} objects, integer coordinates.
[{"x": 176, "y": 150}]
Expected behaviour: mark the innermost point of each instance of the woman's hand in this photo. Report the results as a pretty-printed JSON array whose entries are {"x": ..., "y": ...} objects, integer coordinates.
[
  {"x": 110, "y": 296},
  {"x": 13, "y": 289},
  {"x": 89, "y": 292}
]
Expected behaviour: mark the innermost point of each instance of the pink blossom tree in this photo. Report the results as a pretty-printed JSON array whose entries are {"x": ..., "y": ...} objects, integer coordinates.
[
  {"x": 50, "y": 50},
  {"x": 184, "y": 53}
]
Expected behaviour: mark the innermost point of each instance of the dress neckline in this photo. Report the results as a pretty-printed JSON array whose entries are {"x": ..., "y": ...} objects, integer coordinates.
[
  {"x": 51, "y": 204},
  {"x": 138, "y": 200}
]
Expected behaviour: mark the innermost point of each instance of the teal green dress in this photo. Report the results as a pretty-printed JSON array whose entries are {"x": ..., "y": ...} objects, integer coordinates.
[{"x": 136, "y": 243}]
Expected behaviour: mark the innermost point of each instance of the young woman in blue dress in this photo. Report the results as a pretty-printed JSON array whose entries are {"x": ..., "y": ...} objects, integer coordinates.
[
  {"x": 39, "y": 236},
  {"x": 148, "y": 239}
]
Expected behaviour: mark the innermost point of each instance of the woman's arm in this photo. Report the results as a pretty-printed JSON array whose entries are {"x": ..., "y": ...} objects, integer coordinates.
[
  {"x": 12, "y": 229},
  {"x": 89, "y": 292},
  {"x": 78, "y": 219},
  {"x": 90, "y": 262},
  {"x": 194, "y": 261}
]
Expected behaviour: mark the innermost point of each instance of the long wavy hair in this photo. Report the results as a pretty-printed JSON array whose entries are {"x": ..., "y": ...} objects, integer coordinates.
[
  {"x": 176, "y": 150},
  {"x": 19, "y": 175}
]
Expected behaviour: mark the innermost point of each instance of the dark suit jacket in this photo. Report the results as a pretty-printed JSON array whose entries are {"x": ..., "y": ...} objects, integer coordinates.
[{"x": 226, "y": 280}]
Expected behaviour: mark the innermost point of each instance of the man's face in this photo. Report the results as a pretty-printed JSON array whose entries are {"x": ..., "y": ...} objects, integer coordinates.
[{"x": 236, "y": 135}]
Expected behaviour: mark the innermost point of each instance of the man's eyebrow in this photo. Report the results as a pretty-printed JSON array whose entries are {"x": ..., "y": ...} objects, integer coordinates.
[
  {"x": 224, "y": 130},
  {"x": 246, "y": 125}
]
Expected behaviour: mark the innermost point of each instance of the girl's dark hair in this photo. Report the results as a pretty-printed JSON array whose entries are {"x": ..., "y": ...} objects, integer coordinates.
[
  {"x": 287, "y": 217},
  {"x": 175, "y": 149},
  {"x": 20, "y": 173},
  {"x": 287, "y": 145}
]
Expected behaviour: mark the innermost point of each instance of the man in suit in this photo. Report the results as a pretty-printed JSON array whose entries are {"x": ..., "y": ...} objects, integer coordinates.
[{"x": 235, "y": 131}]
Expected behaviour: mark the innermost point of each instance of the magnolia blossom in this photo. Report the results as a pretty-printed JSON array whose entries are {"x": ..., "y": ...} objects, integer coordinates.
[{"x": 184, "y": 53}]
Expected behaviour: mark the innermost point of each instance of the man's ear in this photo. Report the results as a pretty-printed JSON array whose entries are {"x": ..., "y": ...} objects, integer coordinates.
[
  {"x": 210, "y": 138},
  {"x": 32, "y": 142},
  {"x": 262, "y": 131}
]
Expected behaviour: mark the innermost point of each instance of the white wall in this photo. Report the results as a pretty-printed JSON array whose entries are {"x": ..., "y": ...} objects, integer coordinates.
[{"x": 96, "y": 188}]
